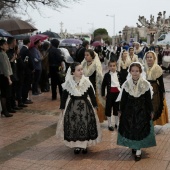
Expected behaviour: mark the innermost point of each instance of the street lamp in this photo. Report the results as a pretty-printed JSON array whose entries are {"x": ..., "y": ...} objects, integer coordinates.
[
  {"x": 113, "y": 16},
  {"x": 120, "y": 34}
]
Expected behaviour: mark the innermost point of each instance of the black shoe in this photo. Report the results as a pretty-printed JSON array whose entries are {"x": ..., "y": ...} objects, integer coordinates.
[
  {"x": 17, "y": 108},
  {"x": 77, "y": 150},
  {"x": 133, "y": 151},
  {"x": 6, "y": 114},
  {"x": 44, "y": 90},
  {"x": 84, "y": 151},
  {"x": 54, "y": 98},
  {"x": 111, "y": 128},
  {"x": 138, "y": 157},
  {"x": 22, "y": 105},
  {"x": 28, "y": 102},
  {"x": 11, "y": 111},
  {"x": 35, "y": 93}
]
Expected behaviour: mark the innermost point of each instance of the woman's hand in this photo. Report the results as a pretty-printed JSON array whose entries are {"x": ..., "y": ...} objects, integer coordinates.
[
  {"x": 10, "y": 82},
  {"x": 119, "y": 114},
  {"x": 13, "y": 58}
]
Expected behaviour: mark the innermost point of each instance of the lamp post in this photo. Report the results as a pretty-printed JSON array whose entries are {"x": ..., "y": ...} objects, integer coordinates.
[
  {"x": 120, "y": 34},
  {"x": 113, "y": 16}
]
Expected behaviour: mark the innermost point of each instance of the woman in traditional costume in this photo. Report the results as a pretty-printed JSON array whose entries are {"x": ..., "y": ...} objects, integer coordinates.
[
  {"x": 123, "y": 65},
  {"x": 132, "y": 57},
  {"x": 78, "y": 123},
  {"x": 154, "y": 75},
  {"x": 92, "y": 68},
  {"x": 136, "y": 112}
]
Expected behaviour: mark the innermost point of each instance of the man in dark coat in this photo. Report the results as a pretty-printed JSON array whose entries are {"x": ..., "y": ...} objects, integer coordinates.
[
  {"x": 80, "y": 53},
  {"x": 55, "y": 59},
  {"x": 28, "y": 70},
  {"x": 11, "y": 103}
]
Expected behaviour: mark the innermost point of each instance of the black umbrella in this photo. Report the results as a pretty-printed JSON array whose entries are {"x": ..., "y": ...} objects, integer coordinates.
[
  {"x": 16, "y": 26},
  {"x": 4, "y": 33},
  {"x": 21, "y": 36},
  {"x": 51, "y": 34}
]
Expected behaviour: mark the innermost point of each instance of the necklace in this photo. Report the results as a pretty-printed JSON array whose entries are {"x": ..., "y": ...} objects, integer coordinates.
[
  {"x": 135, "y": 81},
  {"x": 89, "y": 63}
]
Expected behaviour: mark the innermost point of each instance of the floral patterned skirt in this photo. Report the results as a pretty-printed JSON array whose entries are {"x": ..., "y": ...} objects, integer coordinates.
[{"x": 79, "y": 124}]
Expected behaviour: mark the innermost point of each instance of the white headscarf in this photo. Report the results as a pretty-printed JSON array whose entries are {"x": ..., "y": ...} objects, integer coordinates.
[
  {"x": 144, "y": 58},
  {"x": 120, "y": 61},
  {"x": 142, "y": 85},
  {"x": 70, "y": 85},
  {"x": 155, "y": 71}
]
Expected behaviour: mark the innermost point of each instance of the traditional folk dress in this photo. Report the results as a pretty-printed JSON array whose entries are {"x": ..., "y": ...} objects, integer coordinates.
[
  {"x": 133, "y": 58},
  {"x": 136, "y": 128},
  {"x": 154, "y": 75},
  {"x": 94, "y": 72},
  {"x": 123, "y": 68},
  {"x": 78, "y": 125},
  {"x": 139, "y": 53},
  {"x": 112, "y": 80}
]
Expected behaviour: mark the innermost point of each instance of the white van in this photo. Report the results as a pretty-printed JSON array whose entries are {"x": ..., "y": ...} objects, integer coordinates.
[{"x": 164, "y": 39}]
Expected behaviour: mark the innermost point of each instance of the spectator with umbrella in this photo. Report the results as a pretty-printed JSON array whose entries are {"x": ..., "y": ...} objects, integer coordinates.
[
  {"x": 28, "y": 70},
  {"x": 36, "y": 59},
  {"x": 5, "y": 73},
  {"x": 44, "y": 81},
  {"x": 11, "y": 101}
]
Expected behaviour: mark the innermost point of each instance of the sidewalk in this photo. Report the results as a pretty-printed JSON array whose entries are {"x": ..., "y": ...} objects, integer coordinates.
[{"x": 28, "y": 142}]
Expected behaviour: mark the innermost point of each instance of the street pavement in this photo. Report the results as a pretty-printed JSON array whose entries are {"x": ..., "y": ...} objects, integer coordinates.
[{"x": 28, "y": 142}]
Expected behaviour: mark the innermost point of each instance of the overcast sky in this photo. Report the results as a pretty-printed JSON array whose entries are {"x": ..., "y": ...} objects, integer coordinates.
[{"x": 77, "y": 16}]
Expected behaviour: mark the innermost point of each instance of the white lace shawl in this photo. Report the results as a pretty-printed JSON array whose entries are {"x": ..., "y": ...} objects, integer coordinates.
[
  {"x": 77, "y": 90},
  {"x": 122, "y": 64},
  {"x": 154, "y": 72},
  {"x": 89, "y": 70},
  {"x": 135, "y": 90},
  {"x": 134, "y": 58},
  {"x": 137, "y": 51}
]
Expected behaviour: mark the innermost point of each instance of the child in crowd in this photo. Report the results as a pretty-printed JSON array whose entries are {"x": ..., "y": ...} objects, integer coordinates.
[
  {"x": 136, "y": 112},
  {"x": 112, "y": 81},
  {"x": 79, "y": 124}
]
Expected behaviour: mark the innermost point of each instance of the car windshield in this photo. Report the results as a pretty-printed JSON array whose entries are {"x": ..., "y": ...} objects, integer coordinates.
[{"x": 161, "y": 38}]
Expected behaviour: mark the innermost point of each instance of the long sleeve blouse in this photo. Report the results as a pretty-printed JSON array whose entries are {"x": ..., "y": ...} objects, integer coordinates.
[{"x": 5, "y": 67}]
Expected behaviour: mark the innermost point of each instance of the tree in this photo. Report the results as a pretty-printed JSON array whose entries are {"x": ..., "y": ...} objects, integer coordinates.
[
  {"x": 101, "y": 33},
  {"x": 160, "y": 25},
  {"x": 55, "y": 4}
]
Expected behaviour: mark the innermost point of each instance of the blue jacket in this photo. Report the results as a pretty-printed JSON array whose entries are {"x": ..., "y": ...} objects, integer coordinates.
[{"x": 35, "y": 55}]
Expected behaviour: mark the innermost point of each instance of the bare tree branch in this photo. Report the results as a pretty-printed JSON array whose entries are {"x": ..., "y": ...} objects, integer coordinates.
[{"x": 33, "y": 3}]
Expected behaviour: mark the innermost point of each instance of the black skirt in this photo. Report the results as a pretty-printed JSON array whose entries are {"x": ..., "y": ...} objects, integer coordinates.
[
  {"x": 4, "y": 86},
  {"x": 79, "y": 120},
  {"x": 135, "y": 119}
]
